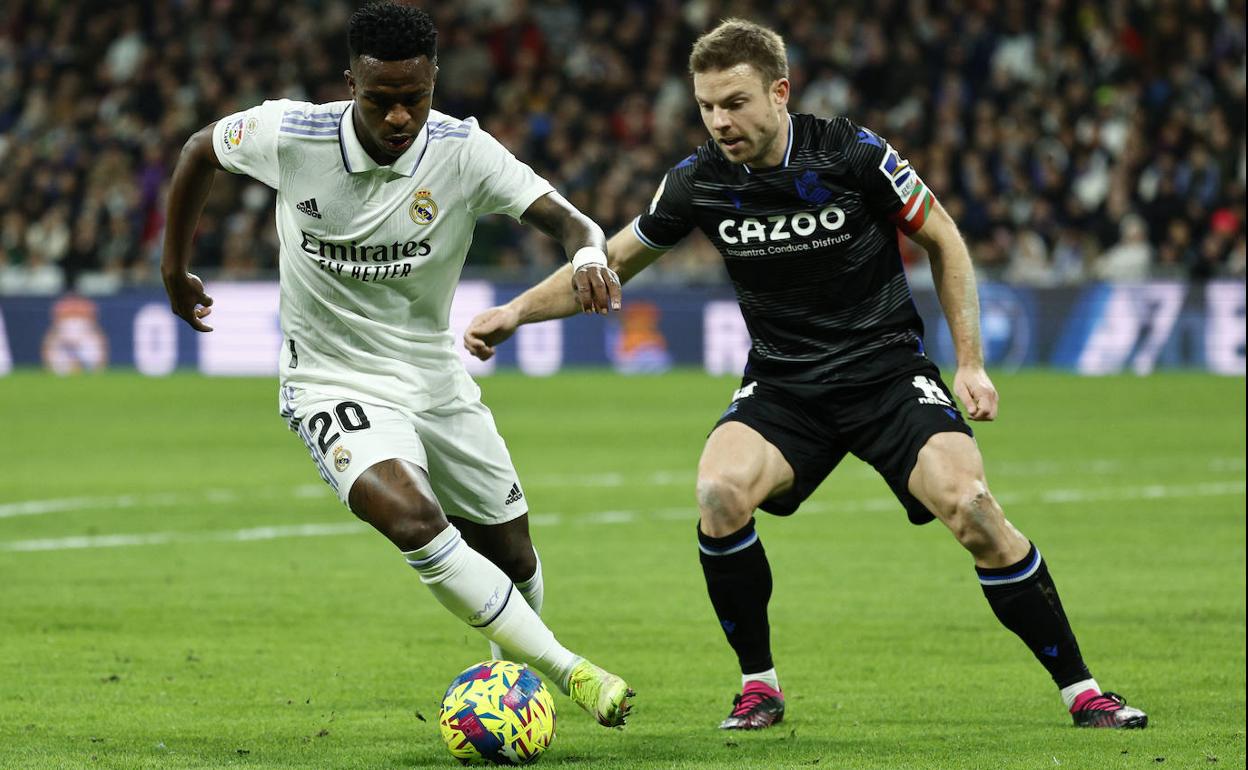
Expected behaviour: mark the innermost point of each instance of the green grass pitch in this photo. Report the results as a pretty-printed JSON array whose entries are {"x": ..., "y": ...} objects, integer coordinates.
[{"x": 179, "y": 590}]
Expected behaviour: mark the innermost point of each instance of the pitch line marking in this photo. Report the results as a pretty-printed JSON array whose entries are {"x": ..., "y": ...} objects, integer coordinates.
[
  {"x": 166, "y": 538},
  {"x": 67, "y": 504},
  {"x": 599, "y": 480},
  {"x": 1052, "y": 497}
]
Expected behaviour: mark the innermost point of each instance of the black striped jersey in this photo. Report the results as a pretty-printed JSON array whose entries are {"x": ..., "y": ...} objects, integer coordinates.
[{"x": 811, "y": 249}]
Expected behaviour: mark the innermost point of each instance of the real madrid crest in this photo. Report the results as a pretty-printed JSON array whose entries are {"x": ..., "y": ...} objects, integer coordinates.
[
  {"x": 423, "y": 209},
  {"x": 342, "y": 458}
]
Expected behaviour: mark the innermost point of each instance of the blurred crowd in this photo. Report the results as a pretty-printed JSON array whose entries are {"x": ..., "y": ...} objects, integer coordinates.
[{"x": 1071, "y": 141}]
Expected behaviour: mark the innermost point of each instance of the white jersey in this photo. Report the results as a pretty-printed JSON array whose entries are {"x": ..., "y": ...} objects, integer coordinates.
[{"x": 371, "y": 255}]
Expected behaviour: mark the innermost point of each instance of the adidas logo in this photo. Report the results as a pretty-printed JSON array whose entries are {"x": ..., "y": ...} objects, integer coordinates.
[
  {"x": 514, "y": 495},
  {"x": 309, "y": 207}
]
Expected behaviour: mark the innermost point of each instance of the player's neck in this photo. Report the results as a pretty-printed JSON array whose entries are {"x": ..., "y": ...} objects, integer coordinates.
[
  {"x": 779, "y": 149},
  {"x": 371, "y": 150}
]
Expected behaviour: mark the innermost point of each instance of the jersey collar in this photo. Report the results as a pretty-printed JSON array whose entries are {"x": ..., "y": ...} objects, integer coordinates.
[
  {"x": 788, "y": 151},
  {"x": 356, "y": 159}
]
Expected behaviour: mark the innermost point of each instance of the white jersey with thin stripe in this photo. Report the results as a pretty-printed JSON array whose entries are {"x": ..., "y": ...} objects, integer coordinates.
[{"x": 371, "y": 255}]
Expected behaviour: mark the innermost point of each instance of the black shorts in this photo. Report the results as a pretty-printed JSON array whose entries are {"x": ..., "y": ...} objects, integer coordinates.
[{"x": 884, "y": 424}]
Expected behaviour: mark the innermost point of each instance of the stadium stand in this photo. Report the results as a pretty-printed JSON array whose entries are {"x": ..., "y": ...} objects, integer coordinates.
[{"x": 1071, "y": 141}]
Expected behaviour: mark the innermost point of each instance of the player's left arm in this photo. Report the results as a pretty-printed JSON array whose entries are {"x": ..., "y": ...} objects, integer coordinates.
[
  {"x": 597, "y": 287},
  {"x": 959, "y": 298}
]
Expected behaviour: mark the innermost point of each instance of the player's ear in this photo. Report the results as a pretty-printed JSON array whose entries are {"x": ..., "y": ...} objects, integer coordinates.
[
  {"x": 350, "y": 82},
  {"x": 780, "y": 91}
]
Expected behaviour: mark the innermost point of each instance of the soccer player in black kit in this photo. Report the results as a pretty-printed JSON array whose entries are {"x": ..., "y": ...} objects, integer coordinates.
[{"x": 805, "y": 212}]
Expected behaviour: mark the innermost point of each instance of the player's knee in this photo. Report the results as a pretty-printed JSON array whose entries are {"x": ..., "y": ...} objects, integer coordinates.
[
  {"x": 723, "y": 502},
  {"x": 517, "y": 563},
  {"x": 415, "y": 525},
  {"x": 972, "y": 516}
]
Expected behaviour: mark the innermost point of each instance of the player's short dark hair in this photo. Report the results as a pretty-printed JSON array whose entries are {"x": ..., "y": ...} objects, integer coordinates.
[
  {"x": 391, "y": 32},
  {"x": 737, "y": 41}
]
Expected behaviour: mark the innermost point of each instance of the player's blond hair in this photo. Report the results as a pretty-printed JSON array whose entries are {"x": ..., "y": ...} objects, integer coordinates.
[{"x": 737, "y": 41}]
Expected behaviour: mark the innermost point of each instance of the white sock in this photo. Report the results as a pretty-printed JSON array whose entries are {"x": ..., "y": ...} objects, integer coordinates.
[
  {"x": 767, "y": 677},
  {"x": 478, "y": 593},
  {"x": 534, "y": 592},
  {"x": 1073, "y": 691},
  {"x": 534, "y": 589}
]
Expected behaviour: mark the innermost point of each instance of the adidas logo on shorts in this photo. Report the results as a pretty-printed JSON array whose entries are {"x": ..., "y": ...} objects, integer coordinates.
[
  {"x": 514, "y": 495},
  {"x": 309, "y": 207}
]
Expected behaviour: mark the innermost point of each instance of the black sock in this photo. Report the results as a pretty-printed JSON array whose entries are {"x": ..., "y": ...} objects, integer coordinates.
[
  {"x": 738, "y": 579},
  {"x": 1025, "y": 600}
]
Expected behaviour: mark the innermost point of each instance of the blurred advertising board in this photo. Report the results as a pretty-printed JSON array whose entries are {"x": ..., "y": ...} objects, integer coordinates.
[{"x": 1092, "y": 329}]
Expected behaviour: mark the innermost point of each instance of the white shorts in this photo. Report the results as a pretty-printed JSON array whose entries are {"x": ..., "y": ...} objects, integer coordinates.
[{"x": 457, "y": 444}]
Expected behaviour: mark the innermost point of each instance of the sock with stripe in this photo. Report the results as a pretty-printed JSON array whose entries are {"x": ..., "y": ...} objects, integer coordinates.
[
  {"x": 534, "y": 592},
  {"x": 1025, "y": 600},
  {"x": 768, "y": 677},
  {"x": 478, "y": 593},
  {"x": 738, "y": 579},
  {"x": 1071, "y": 693}
]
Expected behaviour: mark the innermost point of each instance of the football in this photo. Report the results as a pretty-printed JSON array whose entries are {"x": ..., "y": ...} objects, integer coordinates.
[{"x": 497, "y": 712}]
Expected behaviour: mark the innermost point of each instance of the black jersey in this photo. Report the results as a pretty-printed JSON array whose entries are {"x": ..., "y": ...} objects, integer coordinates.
[{"x": 811, "y": 248}]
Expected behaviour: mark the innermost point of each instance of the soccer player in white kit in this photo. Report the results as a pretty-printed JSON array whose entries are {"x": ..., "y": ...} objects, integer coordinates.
[{"x": 377, "y": 198}]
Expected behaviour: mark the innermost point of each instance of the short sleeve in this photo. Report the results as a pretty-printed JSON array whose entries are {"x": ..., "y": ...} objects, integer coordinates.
[
  {"x": 891, "y": 186},
  {"x": 494, "y": 181},
  {"x": 669, "y": 217},
  {"x": 246, "y": 142}
]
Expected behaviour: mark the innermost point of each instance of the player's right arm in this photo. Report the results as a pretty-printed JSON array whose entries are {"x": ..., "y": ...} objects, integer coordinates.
[
  {"x": 188, "y": 191},
  {"x": 626, "y": 255},
  {"x": 243, "y": 143},
  {"x": 667, "y": 220}
]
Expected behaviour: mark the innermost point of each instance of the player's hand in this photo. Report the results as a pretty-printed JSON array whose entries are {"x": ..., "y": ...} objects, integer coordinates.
[
  {"x": 597, "y": 288},
  {"x": 489, "y": 329},
  {"x": 188, "y": 299},
  {"x": 976, "y": 392}
]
